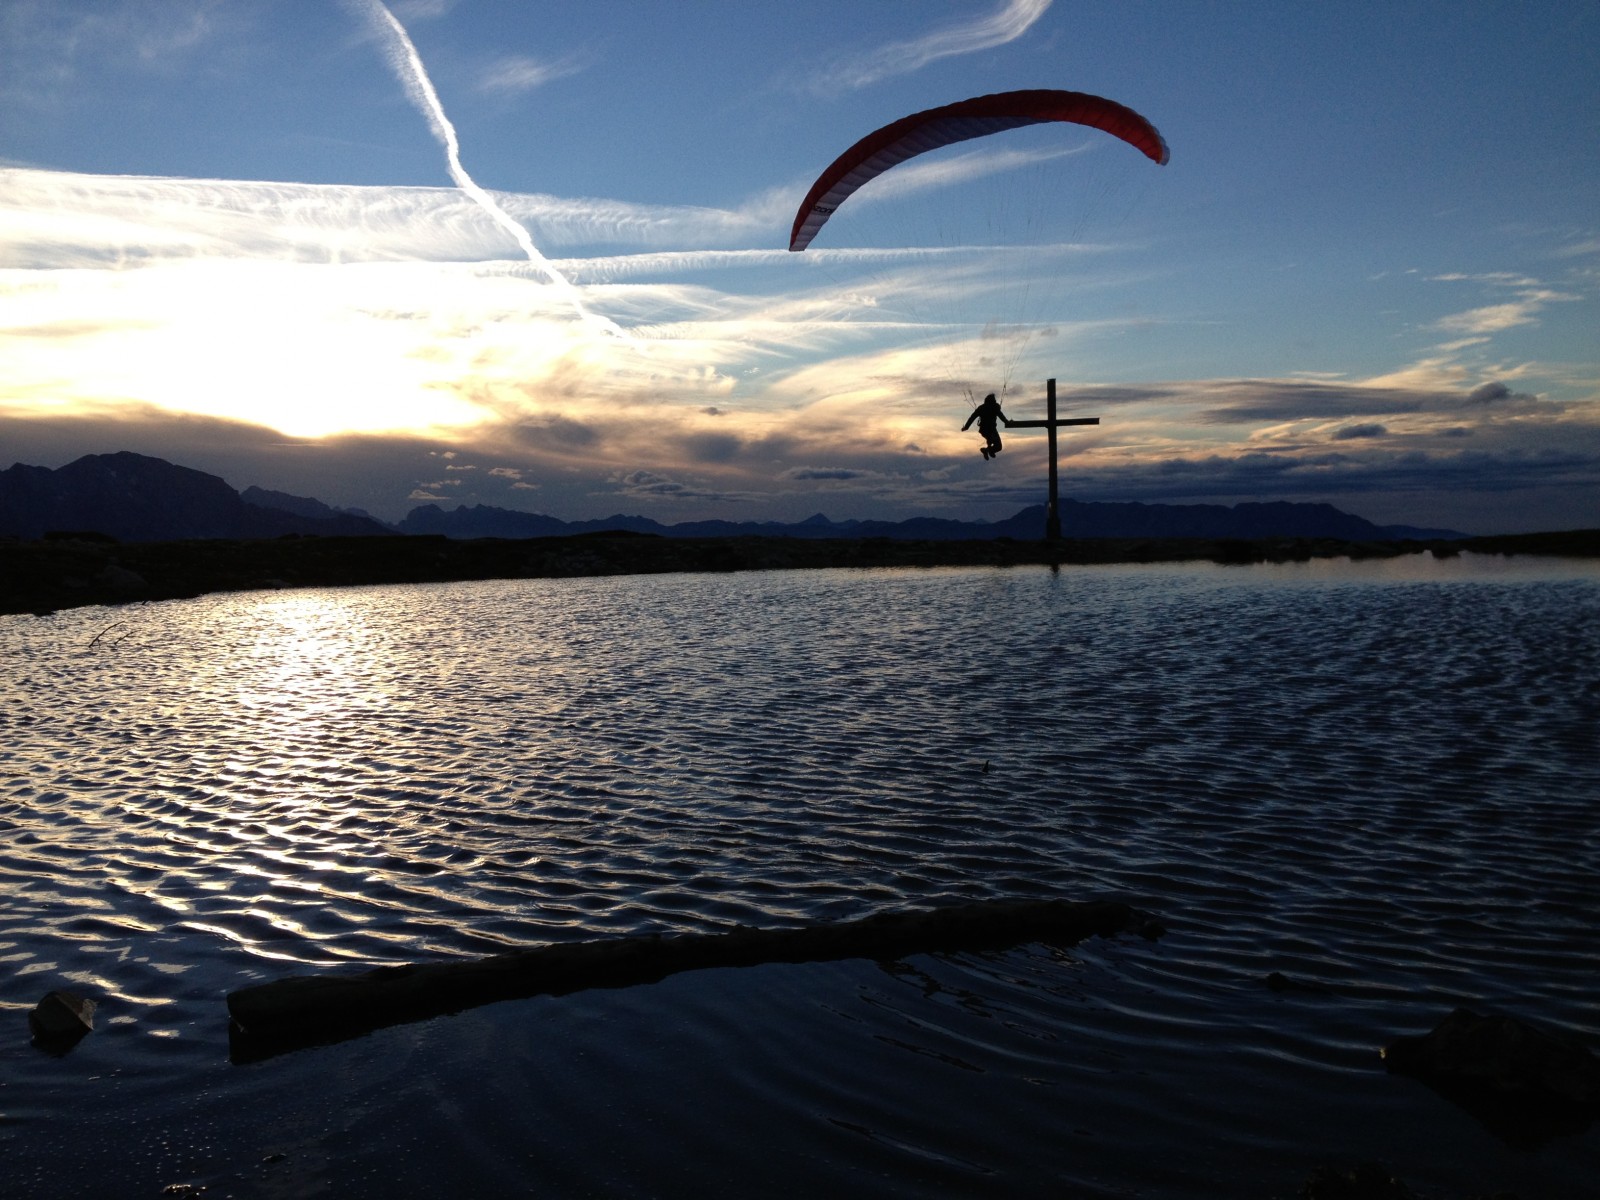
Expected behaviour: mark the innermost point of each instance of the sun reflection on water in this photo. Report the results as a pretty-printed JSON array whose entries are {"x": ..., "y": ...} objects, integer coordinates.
[
  {"x": 296, "y": 802},
  {"x": 311, "y": 650}
]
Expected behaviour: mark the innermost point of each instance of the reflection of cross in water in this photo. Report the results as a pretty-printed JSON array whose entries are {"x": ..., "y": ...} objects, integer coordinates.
[{"x": 1052, "y": 514}]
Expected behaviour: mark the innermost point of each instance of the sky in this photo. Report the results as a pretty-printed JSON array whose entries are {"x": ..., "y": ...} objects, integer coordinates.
[{"x": 534, "y": 254}]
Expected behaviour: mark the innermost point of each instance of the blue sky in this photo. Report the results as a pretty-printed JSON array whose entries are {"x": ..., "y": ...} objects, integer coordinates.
[{"x": 230, "y": 236}]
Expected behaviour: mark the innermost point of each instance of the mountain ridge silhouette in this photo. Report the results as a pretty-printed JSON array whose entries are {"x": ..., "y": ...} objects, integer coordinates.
[{"x": 135, "y": 497}]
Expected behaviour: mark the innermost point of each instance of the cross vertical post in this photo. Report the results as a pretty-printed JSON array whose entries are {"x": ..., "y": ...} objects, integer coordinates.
[{"x": 1052, "y": 513}]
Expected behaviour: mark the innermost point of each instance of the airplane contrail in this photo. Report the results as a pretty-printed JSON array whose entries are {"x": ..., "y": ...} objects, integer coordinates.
[{"x": 407, "y": 65}]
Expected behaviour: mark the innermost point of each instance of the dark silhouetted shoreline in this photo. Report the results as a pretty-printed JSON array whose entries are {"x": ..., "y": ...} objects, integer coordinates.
[{"x": 67, "y": 571}]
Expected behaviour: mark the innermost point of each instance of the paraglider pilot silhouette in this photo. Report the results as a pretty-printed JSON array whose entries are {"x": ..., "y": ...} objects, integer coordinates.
[{"x": 986, "y": 414}]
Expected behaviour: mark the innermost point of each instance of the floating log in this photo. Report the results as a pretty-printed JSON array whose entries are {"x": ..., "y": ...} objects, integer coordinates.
[{"x": 301, "y": 1010}]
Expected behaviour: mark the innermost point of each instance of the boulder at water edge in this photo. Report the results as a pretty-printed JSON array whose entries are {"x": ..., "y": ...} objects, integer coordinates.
[{"x": 1526, "y": 1084}]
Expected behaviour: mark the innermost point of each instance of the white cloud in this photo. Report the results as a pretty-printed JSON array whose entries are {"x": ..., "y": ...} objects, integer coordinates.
[
  {"x": 63, "y": 219},
  {"x": 1531, "y": 300},
  {"x": 46, "y": 42},
  {"x": 423, "y": 10},
  {"x": 519, "y": 73},
  {"x": 1501, "y": 278},
  {"x": 1579, "y": 249},
  {"x": 1455, "y": 362},
  {"x": 1007, "y": 23},
  {"x": 1492, "y": 318}
]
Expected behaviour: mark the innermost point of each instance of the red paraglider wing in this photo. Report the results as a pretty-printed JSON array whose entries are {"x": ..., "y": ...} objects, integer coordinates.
[{"x": 938, "y": 127}]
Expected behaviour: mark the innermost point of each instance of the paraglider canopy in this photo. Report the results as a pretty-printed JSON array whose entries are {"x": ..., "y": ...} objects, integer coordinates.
[{"x": 959, "y": 122}]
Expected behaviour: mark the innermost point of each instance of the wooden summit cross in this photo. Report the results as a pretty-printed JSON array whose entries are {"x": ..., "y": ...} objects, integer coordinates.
[{"x": 1052, "y": 513}]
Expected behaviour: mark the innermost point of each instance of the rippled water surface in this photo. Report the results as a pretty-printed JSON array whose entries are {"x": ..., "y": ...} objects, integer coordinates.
[{"x": 1379, "y": 780}]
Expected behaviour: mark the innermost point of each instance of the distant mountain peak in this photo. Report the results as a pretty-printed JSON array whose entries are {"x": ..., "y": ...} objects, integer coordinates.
[{"x": 138, "y": 498}]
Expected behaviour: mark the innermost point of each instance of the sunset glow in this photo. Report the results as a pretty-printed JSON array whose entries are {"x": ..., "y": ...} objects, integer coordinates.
[{"x": 557, "y": 252}]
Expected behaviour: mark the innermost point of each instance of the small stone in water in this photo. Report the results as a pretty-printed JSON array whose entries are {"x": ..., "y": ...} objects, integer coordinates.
[{"x": 62, "y": 1015}]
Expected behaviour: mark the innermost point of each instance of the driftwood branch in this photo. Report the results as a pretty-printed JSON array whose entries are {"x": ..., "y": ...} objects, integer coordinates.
[
  {"x": 303, "y": 1010},
  {"x": 105, "y": 631}
]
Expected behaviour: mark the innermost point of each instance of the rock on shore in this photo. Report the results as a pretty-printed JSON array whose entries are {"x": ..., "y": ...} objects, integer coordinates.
[{"x": 1524, "y": 1083}]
